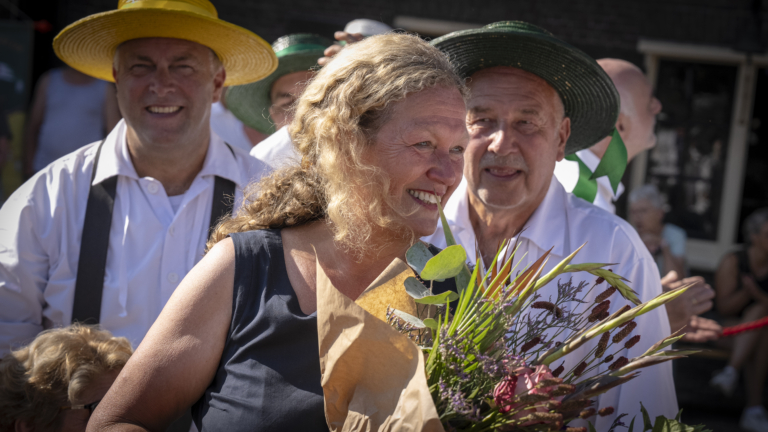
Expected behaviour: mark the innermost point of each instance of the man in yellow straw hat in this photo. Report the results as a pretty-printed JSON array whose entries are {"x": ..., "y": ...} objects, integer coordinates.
[{"x": 105, "y": 234}]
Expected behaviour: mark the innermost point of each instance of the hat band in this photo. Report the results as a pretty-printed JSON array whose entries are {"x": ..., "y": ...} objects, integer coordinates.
[
  {"x": 167, "y": 5},
  {"x": 299, "y": 47}
]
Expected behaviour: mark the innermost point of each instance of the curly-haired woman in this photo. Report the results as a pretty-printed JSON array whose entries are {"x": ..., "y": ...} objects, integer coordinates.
[
  {"x": 381, "y": 132},
  {"x": 55, "y": 382}
]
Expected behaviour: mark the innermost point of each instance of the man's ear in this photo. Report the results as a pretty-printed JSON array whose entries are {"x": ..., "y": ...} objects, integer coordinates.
[
  {"x": 623, "y": 124},
  {"x": 218, "y": 84},
  {"x": 563, "y": 134},
  {"x": 114, "y": 74}
]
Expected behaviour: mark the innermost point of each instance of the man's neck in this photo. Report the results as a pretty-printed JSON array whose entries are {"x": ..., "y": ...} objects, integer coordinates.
[
  {"x": 174, "y": 166},
  {"x": 492, "y": 226},
  {"x": 600, "y": 148}
]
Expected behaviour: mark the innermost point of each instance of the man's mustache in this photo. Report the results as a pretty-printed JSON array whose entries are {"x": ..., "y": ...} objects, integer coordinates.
[{"x": 512, "y": 161}]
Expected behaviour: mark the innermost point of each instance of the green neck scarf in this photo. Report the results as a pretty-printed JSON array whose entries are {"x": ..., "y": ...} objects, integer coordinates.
[{"x": 612, "y": 164}]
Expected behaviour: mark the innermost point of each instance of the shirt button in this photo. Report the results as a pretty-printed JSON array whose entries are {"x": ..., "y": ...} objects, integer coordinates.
[
  {"x": 152, "y": 188},
  {"x": 173, "y": 277}
]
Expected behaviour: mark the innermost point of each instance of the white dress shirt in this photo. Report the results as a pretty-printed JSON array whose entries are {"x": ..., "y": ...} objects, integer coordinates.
[
  {"x": 567, "y": 172},
  {"x": 277, "y": 150},
  {"x": 565, "y": 222},
  {"x": 151, "y": 246}
]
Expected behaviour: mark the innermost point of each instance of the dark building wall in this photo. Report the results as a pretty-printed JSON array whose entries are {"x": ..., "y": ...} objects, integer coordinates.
[{"x": 600, "y": 27}]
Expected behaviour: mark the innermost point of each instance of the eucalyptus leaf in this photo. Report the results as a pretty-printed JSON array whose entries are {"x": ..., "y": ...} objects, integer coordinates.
[
  {"x": 417, "y": 256},
  {"x": 443, "y": 298},
  {"x": 447, "y": 264},
  {"x": 431, "y": 323},
  {"x": 410, "y": 319},
  {"x": 416, "y": 289}
]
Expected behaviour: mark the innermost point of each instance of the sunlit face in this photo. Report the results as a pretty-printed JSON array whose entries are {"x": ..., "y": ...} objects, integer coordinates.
[
  {"x": 421, "y": 149},
  {"x": 165, "y": 88},
  {"x": 644, "y": 216},
  {"x": 517, "y": 131},
  {"x": 642, "y": 134},
  {"x": 283, "y": 95},
  {"x": 77, "y": 420}
]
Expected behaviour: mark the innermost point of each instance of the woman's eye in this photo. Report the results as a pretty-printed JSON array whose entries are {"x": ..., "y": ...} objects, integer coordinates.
[
  {"x": 458, "y": 150},
  {"x": 423, "y": 144}
]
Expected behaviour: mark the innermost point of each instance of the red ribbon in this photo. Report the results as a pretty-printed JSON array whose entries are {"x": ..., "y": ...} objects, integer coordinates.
[{"x": 741, "y": 328}]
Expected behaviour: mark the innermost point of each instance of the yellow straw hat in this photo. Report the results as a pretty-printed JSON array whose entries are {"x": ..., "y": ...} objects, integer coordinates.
[{"x": 89, "y": 44}]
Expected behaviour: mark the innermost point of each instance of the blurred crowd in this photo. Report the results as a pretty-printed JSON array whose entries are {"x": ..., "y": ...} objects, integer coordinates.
[{"x": 80, "y": 244}]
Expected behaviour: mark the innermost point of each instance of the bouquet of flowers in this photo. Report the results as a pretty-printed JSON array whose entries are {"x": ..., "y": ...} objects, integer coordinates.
[{"x": 493, "y": 352}]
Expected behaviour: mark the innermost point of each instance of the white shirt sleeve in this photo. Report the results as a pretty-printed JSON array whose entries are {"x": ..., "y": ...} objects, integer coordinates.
[
  {"x": 24, "y": 264},
  {"x": 654, "y": 387}
]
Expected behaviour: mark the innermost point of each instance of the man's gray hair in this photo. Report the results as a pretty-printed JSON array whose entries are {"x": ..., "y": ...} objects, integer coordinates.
[
  {"x": 753, "y": 223},
  {"x": 647, "y": 192}
]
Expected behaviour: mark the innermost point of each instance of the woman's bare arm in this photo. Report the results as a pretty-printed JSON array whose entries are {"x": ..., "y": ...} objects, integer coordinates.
[{"x": 178, "y": 358}]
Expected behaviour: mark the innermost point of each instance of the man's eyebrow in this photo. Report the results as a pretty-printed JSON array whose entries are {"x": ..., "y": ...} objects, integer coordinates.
[
  {"x": 480, "y": 110},
  {"x": 531, "y": 111}
]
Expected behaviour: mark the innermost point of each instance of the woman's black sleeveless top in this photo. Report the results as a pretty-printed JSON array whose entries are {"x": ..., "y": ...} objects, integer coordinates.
[{"x": 269, "y": 374}]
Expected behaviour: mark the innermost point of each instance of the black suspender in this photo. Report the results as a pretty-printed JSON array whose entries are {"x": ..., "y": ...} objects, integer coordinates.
[{"x": 94, "y": 244}]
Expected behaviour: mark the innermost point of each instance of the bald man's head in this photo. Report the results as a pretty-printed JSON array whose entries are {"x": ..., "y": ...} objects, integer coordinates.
[{"x": 639, "y": 107}]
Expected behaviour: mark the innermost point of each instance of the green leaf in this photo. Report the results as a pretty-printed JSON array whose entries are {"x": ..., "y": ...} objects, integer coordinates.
[
  {"x": 410, "y": 319},
  {"x": 647, "y": 425},
  {"x": 447, "y": 264},
  {"x": 443, "y": 298},
  {"x": 431, "y": 323},
  {"x": 631, "y": 425},
  {"x": 417, "y": 256},
  {"x": 591, "y": 428},
  {"x": 416, "y": 289}
]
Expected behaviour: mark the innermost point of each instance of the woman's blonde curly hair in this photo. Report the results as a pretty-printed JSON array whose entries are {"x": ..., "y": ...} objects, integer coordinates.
[
  {"x": 337, "y": 118},
  {"x": 53, "y": 371}
]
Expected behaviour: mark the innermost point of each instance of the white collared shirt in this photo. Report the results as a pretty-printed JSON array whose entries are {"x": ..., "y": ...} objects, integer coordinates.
[
  {"x": 565, "y": 222},
  {"x": 277, "y": 150},
  {"x": 567, "y": 172},
  {"x": 151, "y": 247}
]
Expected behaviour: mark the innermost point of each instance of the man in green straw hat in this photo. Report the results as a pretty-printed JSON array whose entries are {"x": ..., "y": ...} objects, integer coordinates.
[
  {"x": 533, "y": 100},
  {"x": 105, "y": 234}
]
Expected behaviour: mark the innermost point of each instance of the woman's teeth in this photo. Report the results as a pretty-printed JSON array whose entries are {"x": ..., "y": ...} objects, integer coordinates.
[
  {"x": 425, "y": 196},
  {"x": 163, "y": 110}
]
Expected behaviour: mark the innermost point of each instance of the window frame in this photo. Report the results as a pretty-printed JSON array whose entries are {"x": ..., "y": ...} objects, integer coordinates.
[{"x": 706, "y": 254}]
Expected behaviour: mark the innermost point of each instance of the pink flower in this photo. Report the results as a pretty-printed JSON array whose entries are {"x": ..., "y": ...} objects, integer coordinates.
[{"x": 523, "y": 381}]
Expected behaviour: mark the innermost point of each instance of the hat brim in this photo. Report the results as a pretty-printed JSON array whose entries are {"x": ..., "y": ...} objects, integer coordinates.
[
  {"x": 588, "y": 94},
  {"x": 250, "y": 102},
  {"x": 89, "y": 44}
]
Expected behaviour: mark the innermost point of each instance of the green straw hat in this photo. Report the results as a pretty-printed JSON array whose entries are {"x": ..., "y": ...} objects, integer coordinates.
[
  {"x": 588, "y": 94},
  {"x": 295, "y": 53}
]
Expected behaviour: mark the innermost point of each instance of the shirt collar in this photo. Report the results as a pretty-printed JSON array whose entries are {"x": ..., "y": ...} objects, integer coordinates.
[
  {"x": 544, "y": 227},
  {"x": 546, "y": 224},
  {"x": 220, "y": 160}
]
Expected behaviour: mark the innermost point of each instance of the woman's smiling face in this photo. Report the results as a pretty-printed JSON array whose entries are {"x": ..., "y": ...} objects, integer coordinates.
[{"x": 420, "y": 148}]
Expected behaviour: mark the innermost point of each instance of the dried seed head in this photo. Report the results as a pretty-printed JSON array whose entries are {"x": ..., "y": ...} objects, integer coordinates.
[
  {"x": 599, "y": 309},
  {"x": 605, "y": 294},
  {"x": 576, "y": 429},
  {"x": 549, "y": 382},
  {"x": 587, "y": 413},
  {"x": 602, "y": 345},
  {"x": 580, "y": 368},
  {"x": 618, "y": 337},
  {"x": 575, "y": 404},
  {"x": 632, "y": 342},
  {"x": 608, "y": 359},
  {"x": 619, "y": 363},
  {"x": 626, "y": 323},
  {"x": 563, "y": 389},
  {"x": 556, "y": 373},
  {"x": 605, "y": 411},
  {"x": 530, "y": 344},
  {"x": 550, "y": 417},
  {"x": 599, "y": 281},
  {"x": 548, "y": 306},
  {"x": 557, "y": 344}
]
